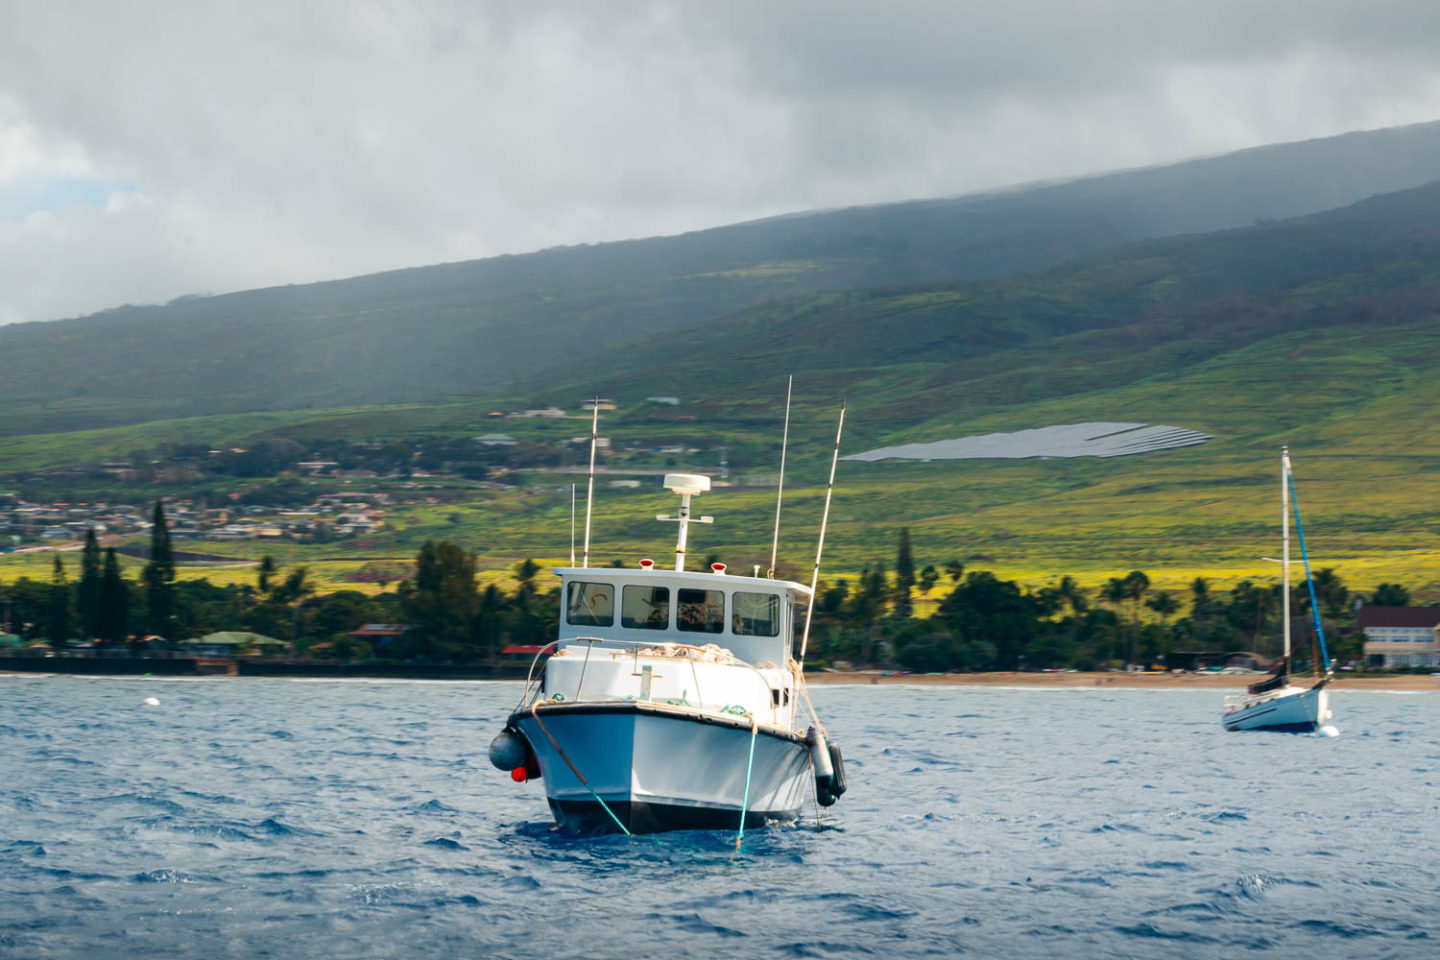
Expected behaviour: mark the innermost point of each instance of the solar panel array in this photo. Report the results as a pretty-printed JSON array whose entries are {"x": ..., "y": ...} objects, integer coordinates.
[{"x": 1100, "y": 439}]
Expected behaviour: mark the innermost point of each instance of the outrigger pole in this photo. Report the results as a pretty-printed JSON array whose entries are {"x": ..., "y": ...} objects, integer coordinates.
[
  {"x": 780, "y": 489},
  {"x": 820, "y": 546},
  {"x": 590, "y": 489}
]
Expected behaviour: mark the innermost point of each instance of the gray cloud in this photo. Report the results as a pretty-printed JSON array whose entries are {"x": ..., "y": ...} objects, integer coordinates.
[{"x": 260, "y": 143}]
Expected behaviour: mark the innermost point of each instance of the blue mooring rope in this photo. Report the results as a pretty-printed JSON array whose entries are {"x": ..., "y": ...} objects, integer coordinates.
[
  {"x": 745, "y": 801},
  {"x": 1309, "y": 580}
]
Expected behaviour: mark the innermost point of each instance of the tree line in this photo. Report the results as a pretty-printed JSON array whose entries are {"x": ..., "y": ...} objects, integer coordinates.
[
  {"x": 450, "y": 617},
  {"x": 980, "y": 621},
  {"x": 983, "y": 622}
]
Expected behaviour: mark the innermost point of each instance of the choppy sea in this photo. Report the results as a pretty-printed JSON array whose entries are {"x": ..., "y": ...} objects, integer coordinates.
[{"x": 278, "y": 818}]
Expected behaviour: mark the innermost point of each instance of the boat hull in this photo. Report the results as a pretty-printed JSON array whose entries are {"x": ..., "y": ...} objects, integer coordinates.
[
  {"x": 1288, "y": 710},
  {"x": 662, "y": 768}
]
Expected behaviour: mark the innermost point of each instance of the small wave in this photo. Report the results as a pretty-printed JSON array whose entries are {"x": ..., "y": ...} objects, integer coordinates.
[
  {"x": 823, "y": 948},
  {"x": 171, "y": 876},
  {"x": 1224, "y": 816},
  {"x": 1337, "y": 929},
  {"x": 433, "y": 806},
  {"x": 695, "y": 923},
  {"x": 1174, "y": 865},
  {"x": 275, "y": 828},
  {"x": 446, "y": 843},
  {"x": 1150, "y": 931},
  {"x": 863, "y": 911}
]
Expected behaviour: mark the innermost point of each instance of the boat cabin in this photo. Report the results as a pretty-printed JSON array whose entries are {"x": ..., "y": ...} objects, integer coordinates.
[{"x": 751, "y": 617}]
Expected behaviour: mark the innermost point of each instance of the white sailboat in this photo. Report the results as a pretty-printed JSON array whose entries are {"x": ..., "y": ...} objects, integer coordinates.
[
  {"x": 672, "y": 699},
  {"x": 1276, "y": 703}
]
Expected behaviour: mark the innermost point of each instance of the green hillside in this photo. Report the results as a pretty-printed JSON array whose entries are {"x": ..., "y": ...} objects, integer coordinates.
[
  {"x": 1321, "y": 332},
  {"x": 477, "y": 327}
]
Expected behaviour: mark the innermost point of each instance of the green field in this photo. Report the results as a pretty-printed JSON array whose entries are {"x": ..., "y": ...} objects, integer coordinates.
[{"x": 1322, "y": 333}]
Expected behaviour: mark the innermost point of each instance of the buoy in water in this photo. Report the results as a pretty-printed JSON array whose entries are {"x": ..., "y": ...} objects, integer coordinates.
[
  {"x": 151, "y": 702},
  {"x": 1327, "y": 731}
]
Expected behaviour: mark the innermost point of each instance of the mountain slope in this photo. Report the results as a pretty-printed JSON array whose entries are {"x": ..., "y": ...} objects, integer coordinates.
[
  {"x": 475, "y": 327},
  {"x": 1322, "y": 332},
  {"x": 1154, "y": 307}
]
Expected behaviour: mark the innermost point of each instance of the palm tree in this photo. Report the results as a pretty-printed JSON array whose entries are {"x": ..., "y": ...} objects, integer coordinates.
[
  {"x": 1136, "y": 583},
  {"x": 1199, "y": 593},
  {"x": 1073, "y": 594},
  {"x": 1114, "y": 592},
  {"x": 1163, "y": 604}
]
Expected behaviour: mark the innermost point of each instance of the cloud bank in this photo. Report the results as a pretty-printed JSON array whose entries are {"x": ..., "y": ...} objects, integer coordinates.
[{"x": 151, "y": 150}]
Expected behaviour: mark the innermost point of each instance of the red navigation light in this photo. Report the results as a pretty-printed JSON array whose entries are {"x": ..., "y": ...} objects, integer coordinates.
[
  {"x": 647, "y": 563},
  {"x": 519, "y": 775},
  {"x": 718, "y": 567}
]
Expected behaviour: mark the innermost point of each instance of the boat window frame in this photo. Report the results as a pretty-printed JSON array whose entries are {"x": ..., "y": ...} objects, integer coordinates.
[
  {"x": 592, "y": 619},
  {"x": 626, "y": 623}
]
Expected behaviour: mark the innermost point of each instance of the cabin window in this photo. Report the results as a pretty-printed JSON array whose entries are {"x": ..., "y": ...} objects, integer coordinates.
[
  {"x": 700, "y": 611},
  {"x": 590, "y": 604},
  {"x": 755, "y": 615},
  {"x": 645, "y": 608}
]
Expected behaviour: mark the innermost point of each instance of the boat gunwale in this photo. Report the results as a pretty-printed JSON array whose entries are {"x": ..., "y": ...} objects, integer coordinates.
[{"x": 662, "y": 710}]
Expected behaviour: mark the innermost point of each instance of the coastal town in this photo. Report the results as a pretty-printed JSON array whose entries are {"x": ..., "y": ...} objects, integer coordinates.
[{"x": 62, "y": 525}]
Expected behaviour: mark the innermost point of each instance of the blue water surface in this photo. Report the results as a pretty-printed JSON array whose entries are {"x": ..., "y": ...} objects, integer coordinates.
[{"x": 280, "y": 818}]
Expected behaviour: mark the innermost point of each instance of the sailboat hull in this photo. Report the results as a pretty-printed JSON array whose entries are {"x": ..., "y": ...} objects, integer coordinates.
[
  {"x": 1287, "y": 710},
  {"x": 663, "y": 768}
]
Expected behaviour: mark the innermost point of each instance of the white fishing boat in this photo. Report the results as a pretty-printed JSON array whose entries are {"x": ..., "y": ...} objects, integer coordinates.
[
  {"x": 1277, "y": 702},
  {"x": 672, "y": 699}
]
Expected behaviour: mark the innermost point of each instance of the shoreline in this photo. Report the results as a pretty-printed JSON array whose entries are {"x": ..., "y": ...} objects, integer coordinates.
[
  {"x": 1094, "y": 680},
  {"x": 1133, "y": 681}
]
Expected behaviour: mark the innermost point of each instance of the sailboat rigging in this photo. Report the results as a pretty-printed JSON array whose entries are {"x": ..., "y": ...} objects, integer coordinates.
[{"x": 1275, "y": 703}]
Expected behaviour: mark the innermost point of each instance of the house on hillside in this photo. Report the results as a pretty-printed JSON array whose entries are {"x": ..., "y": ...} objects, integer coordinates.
[{"x": 1401, "y": 636}]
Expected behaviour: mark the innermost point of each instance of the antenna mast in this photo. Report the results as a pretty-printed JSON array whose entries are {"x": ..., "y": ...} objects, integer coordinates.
[
  {"x": 572, "y": 524},
  {"x": 780, "y": 488},
  {"x": 820, "y": 546},
  {"x": 687, "y": 485},
  {"x": 590, "y": 489}
]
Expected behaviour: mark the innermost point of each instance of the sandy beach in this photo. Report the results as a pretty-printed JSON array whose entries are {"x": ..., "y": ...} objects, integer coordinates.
[{"x": 1155, "y": 681}]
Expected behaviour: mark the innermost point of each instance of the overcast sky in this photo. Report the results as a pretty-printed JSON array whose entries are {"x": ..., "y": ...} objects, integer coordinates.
[{"x": 150, "y": 150}]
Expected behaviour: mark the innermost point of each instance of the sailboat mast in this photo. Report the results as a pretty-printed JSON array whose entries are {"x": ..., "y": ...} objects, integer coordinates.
[{"x": 1285, "y": 546}]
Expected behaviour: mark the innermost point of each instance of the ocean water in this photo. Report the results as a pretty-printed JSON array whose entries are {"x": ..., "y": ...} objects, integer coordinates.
[{"x": 275, "y": 818}]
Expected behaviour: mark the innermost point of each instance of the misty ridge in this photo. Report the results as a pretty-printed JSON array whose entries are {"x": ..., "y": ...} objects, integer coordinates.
[{"x": 513, "y": 322}]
